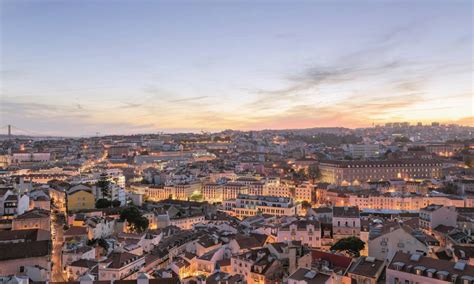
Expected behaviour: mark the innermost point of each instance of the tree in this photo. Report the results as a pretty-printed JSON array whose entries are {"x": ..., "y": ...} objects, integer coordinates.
[
  {"x": 305, "y": 205},
  {"x": 116, "y": 203},
  {"x": 352, "y": 245},
  {"x": 449, "y": 188},
  {"x": 134, "y": 217},
  {"x": 102, "y": 203},
  {"x": 314, "y": 173},
  {"x": 297, "y": 176},
  {"x": 103, "y": 184},
  {"x": 101, "y": 242}
]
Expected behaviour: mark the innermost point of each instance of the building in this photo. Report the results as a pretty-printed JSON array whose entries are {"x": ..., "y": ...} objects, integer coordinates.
[
  {"x": 250, "y": 205},
  {"x": 75, "y": 252},
  {"x": 100, "y": 227},
  {"x": 354, "y": 172},
  {"x": 28, "y": 158},
  {"x": 345, "y": 222},
  {"x": 304, "y": 192},
  {"x": 414, "y": 268},
  {"x": 206, "y": 263},
  {"x": 120, "y": 265},
  {"x": 182, "y": 191},
  {"x": 274, "y": 187},
  {"x": 212, "y": 192},
  {"x": 398, "y": 201},
  {"x": 231, "y": 190},
  {"x": 386, "y": 240},
  {"x": 366, "y": 270},
  {"x": 80, "y": 267},
  {"x": 13, "y": 204},
  {"x": 117, "y": 152},
  {"x": 364, "y": 151},
  {"x": 307, "y": 276},
  {"x": 33, "y": 219},
  {"x": 306, "y": 231},
  {"x": 434, "y": 215},
  {"x": 187, "y": 222},
  {"x": 80, "y": 199},
  {"x": 257, "y": 266},
  {"x": 15, "y": 258},
  {"x": 444, "y": 150}
]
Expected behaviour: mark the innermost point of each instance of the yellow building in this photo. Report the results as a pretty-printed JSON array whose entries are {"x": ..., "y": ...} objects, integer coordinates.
[{"x": 80, "y": 199}]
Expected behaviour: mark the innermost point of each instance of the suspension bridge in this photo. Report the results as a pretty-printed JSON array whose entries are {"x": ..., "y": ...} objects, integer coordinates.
[{"x": 10, "y": 131}]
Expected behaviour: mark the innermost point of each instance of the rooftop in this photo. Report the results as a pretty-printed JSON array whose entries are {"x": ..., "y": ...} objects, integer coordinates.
[{"x": 426, "y": 265}]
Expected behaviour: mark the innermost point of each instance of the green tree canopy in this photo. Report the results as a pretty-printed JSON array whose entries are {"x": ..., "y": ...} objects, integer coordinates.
[
  {"x": 116, "y": 203},
  {"x": 103, "y": 184},
  {"x": 134, "y": 217},
  {"x": 305, "y": 205},
  {"x": 102, "y": 203},
  {"x": 352, "y": 245},
  {"x": 314, "y": 173}
]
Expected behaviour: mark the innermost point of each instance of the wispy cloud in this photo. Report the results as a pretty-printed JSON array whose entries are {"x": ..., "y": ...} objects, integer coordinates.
[{"x": 190, "y": 99}]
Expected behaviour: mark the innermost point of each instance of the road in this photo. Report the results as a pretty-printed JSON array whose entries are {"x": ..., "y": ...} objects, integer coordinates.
[{"x": 57, "y": 224}]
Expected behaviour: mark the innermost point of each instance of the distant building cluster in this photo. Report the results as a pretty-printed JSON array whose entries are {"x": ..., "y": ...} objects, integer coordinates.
[{"x": 385, "y": 204}]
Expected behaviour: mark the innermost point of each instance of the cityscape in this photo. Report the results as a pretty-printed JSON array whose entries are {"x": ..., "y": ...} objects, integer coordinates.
[{"x": 236, "y": 142}]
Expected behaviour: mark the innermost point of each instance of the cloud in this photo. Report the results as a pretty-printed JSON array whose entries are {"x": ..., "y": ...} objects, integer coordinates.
[
  {"x": 377, "y": 83},
  {"x": 190, "y": 99}
]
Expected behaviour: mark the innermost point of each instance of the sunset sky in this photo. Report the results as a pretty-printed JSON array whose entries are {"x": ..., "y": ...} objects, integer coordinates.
[{"x": 81, "y": 67}]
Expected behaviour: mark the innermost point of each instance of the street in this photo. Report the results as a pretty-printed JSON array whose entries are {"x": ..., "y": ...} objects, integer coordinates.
[{"x": 57, "y": 223}]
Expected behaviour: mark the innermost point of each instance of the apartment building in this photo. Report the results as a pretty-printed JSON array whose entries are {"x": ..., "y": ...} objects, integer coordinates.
[
  {"x": 354, "y": 172},
  {"x": 345, "y": 222},
  {"x": 120, "y": 265},
  {"x": 183, "y": 191},
  {"x": 305, "y": 192},
  {"x": 178, "y": 191},
  {"x": 213, "y": 192},
  {"x": 364, "y": 151},
  {"x": 250, "y": 205},
  {"x": 33, "y": 219},
  {"x": 274, "y": 187},
  {"x": 388, "y": 239},
  {"x": 414, "y": 268},
  {"x": 434, "y": 215},
  {"x": 306, "y": 231},
  {"x": 397, "y": 201},
  {"x": 231, "y": 190},
  {"x": 80, "y": 197}
]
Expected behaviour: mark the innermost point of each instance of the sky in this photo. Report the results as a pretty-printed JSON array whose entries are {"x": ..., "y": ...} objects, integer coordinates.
[{"x": 85, "y": 67}]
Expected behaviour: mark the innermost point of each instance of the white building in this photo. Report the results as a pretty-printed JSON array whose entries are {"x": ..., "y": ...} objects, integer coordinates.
[
  {"x": 250, "y": 205},
  {"x": 100, "y": 227},
  {"x": 20, "y": 158},
  {"x": 345, "y": 222},
  {"x": 306, "y": 231},
  {"x": 120, "y": 265},
  {"x": 390, "y": 239},
  {"x": 434, "y": 215}
]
